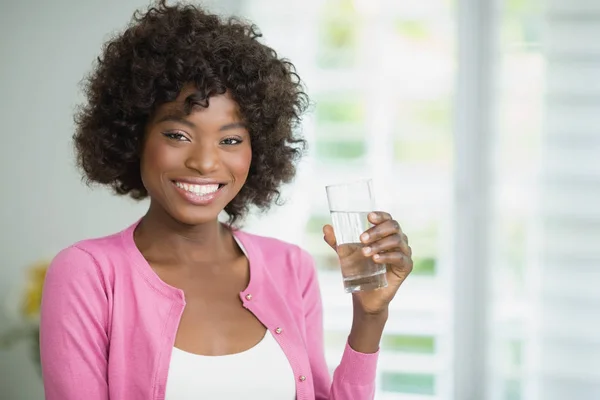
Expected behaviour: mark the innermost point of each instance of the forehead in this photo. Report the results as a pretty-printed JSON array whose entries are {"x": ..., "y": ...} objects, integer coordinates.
[{"x": 189, "y": 105}]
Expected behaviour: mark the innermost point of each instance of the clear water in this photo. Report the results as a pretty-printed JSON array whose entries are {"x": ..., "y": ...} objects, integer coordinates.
[{"x": 359, "y": 272}]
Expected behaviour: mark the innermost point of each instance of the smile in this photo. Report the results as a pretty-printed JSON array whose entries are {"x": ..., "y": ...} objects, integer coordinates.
[
  {"x": 199, "y": 194},
  {"x": 200, "y": 190}
]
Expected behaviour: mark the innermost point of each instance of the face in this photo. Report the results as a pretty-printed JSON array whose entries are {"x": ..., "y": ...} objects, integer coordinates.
[{"x": 194, "y": 165}]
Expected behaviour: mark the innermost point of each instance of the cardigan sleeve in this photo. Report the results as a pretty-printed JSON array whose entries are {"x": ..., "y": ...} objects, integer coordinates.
[
  {"x": 354, "y": 377},
  {"x": 73, "y": 329}
]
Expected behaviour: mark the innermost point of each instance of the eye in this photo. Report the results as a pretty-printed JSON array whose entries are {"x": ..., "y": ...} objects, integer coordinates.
[
  {"x": 231, "y": 141},
  {"x": 176, "y": 136}
]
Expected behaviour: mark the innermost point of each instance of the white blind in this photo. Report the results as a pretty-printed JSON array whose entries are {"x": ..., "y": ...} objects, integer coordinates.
[{"x": 567, "y": 355}]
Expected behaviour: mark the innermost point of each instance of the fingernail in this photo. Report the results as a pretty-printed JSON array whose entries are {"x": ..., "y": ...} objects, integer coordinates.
[
  {"x": 366, "y": 251},
  {"x": 373, "y": 216},
  {"x": 365, "y": 237},
  {"x": 377, "y": 256}
]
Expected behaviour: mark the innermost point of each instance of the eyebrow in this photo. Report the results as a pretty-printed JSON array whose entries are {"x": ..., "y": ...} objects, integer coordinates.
[
  {"x": 181, "y": 120},
  {"x": 233, "y": 125},
  {"x": 175, "y": 118}
]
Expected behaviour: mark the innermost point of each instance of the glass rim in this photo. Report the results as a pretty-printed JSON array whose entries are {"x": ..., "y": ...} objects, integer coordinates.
[{"x": 350, "y": 183}]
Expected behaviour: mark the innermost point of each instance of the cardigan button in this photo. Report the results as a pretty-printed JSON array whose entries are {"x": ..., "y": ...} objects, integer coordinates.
[
  {"x": 278, "y": 330},
  {"x": 301, "y": 378},
  {"x": 248, "y": 297}
]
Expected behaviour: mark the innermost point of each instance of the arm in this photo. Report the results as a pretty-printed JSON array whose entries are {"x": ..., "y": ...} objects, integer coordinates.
[
  {"x": 73, "y": 329},
  {"x": 354, "y": 378}
]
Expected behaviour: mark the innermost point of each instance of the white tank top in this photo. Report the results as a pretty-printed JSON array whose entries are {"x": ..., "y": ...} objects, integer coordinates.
[{"x": 262, "y": 372}]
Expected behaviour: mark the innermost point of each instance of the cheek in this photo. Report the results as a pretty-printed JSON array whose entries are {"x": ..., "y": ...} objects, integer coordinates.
[
  {"x": 240, "y": 164},
  {"x": 155, "y": 157}
]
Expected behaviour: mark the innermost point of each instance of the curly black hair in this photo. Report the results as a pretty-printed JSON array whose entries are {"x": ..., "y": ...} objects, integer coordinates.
[{"x": 149, "y": 63}]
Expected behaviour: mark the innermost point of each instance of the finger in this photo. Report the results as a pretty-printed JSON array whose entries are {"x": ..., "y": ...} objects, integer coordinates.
[
  {"x": 395, "y": 259},
  {"x": 377, "y": 217},
  {"x": 401, "y": 271},
  {"x": 391, "y": 257},
  {"x": 387, "y": 228},
  {"x": 405, "y": 247},
  {"x": 329, "y": 236},
  {"x": 389, "y": 243}
]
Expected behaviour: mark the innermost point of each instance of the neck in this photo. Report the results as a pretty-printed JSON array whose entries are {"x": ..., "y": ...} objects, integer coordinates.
[{"x": 160, "y": 236}]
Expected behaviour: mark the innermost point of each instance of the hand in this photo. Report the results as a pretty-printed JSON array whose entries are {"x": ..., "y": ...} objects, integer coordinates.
[{"x": 388, "y": 245}]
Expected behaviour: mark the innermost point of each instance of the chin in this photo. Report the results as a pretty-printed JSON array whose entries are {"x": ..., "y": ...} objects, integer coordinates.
[
  {"x": 193, "y": 220},
  {"x": 194, "y": 215}
]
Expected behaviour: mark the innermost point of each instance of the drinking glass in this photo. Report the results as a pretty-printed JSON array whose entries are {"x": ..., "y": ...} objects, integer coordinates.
[{"x": 349, "y": 205}]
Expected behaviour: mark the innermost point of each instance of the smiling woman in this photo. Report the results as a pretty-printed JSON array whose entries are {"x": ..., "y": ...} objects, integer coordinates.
[{"x": 194, "y": 113}]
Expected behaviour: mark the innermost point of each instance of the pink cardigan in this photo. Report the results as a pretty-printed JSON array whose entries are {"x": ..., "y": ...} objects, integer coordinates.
[{"x": 108, "y": 322}]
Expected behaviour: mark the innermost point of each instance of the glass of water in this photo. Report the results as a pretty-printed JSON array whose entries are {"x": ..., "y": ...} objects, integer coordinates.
[{"x": 350, "y": 204}]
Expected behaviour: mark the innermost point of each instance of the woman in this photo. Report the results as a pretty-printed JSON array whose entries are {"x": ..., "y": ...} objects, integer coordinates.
[{"x": 196, "y": 114}]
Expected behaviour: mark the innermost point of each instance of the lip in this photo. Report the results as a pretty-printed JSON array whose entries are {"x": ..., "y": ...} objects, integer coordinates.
[
  {"x": 195, "y": 199},
  {"x": 199, "y": 181}
]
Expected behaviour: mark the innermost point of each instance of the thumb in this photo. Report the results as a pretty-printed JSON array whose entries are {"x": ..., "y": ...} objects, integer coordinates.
[{"x": 329, "y": 236}]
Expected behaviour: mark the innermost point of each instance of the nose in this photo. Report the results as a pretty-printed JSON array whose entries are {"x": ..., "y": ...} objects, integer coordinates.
[{"x": 204, "y": 158}]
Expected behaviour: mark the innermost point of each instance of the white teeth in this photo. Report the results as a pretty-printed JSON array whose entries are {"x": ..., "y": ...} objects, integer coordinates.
[{"x": 200, "y": 190}]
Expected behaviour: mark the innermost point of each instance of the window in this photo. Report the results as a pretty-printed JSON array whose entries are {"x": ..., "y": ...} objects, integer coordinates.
[{"x": 383, "y": 75}]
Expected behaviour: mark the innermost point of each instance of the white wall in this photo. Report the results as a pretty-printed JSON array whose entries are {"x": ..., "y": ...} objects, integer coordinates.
[{"x": 45, "y": 50}]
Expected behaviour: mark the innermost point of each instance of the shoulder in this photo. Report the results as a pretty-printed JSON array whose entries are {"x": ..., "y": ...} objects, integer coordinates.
[
  {"x": 87, "y": 260},
  {"x": 270, "y": 247},
  {"x": 276, "y": 252}
]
